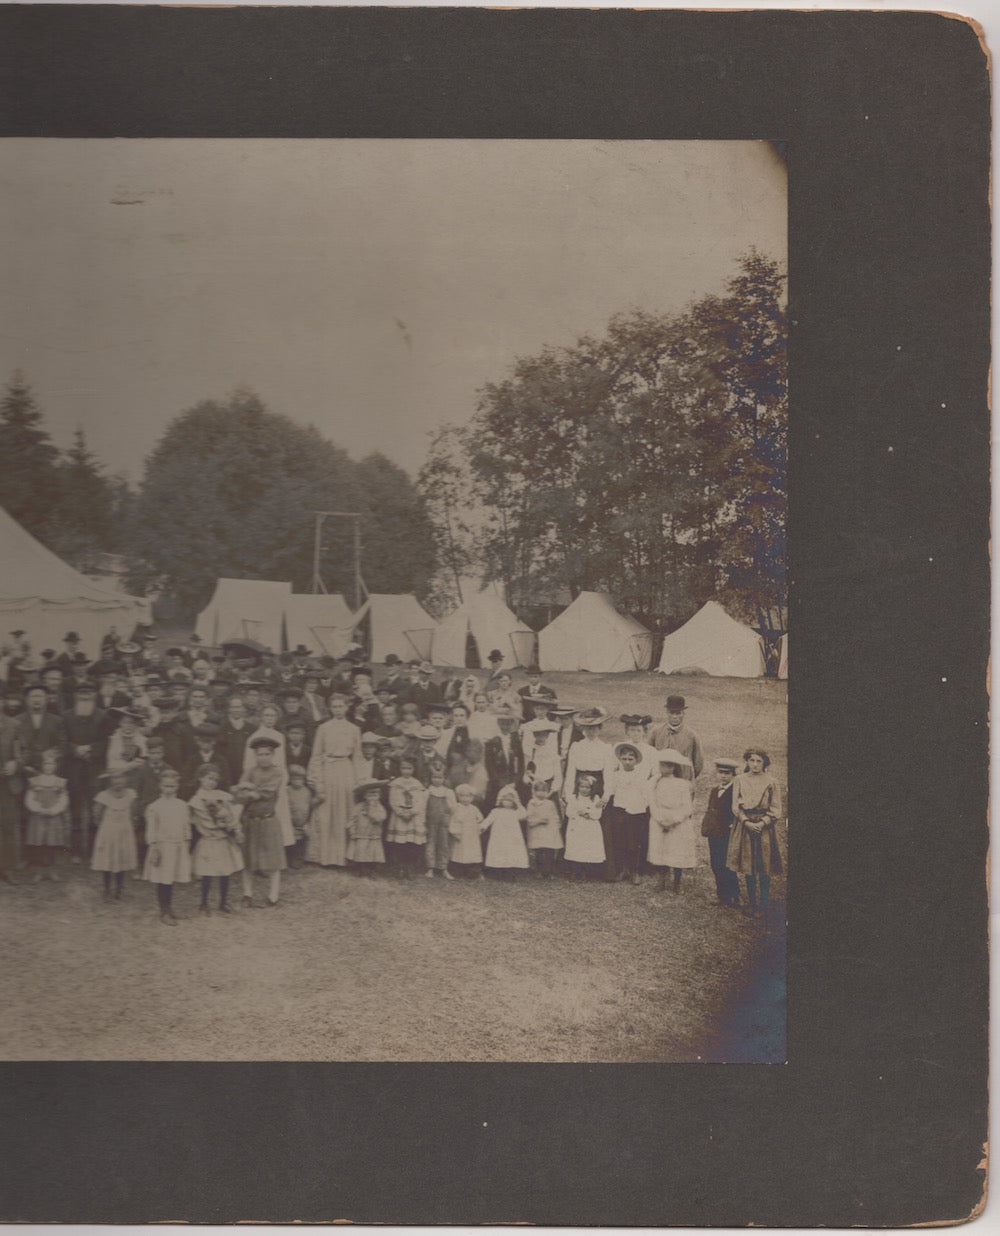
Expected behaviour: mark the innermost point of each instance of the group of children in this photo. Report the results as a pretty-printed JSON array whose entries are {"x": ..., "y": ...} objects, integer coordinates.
[{"x": 453, "y": 780}]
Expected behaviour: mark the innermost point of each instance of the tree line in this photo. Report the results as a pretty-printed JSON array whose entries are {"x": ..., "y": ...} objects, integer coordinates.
[{"x": 650, "y": 462}]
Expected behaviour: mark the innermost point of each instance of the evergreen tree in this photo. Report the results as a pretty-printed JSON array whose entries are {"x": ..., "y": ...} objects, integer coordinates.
[{"x": 29, "y": 478}]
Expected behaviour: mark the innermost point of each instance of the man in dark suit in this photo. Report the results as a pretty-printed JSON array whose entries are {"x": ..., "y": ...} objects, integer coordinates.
[
  {"x": 535, "y": 689},
  {"x": 503, "y": 758},
  {"x": 424, "y": 690},
  {"x": 40, "y": 730},
  {"x": 234, "y": 733},
  {"x": 85, "y": 753}
]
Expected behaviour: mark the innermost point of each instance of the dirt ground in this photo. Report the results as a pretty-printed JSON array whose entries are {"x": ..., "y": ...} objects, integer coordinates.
[{"x": 357, "y": 969}]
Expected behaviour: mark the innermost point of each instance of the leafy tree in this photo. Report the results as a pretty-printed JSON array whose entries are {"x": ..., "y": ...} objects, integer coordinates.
[
  {"x": 29, "y": 479},
  {"x": 650, "y": 462},
  {"x": 231, "y": 489},
  {"x": 397, "y": 538}
]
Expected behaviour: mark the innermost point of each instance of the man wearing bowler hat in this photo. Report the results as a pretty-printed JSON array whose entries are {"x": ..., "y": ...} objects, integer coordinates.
[{"x": 675, "y": 734}]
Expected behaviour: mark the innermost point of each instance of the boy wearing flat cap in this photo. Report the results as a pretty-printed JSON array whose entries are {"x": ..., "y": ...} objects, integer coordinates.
[{"x": 716, "y": 827}]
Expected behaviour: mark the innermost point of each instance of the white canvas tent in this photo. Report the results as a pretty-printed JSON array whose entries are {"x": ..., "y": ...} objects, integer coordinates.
[
  {"x": 245, "y": 609},
  {"x": 714, "y": 643},
  {"x": 491, "y": 624},
  {"x": 397, "y": 623},
  {"x": 46, "y": 597},
  {"x": 783, "y": 657},
  {"x": 590, "y": 634},
  {"x": 321, "y": 621}
]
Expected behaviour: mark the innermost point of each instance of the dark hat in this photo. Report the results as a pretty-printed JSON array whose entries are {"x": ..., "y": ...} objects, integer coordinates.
[
  {"x": 18, "y": 634},
  {"x": 207, "y": 768},
  {"x": 207, "y": 729},
  {"x": 437, "y": 706},
  {"x": 300, "y": 651},
  {"x": 676, "y": 703},
  {"x": 79, "y": 658},
  {"x": 71, "y": 637},
  {"x": 264, "y": 743},
  {"x": 495, "y": 655},
  {"x": 591, "y": 716},
  {"x": 47, "y": 654},
  {"x": 288, "y": 693},
  {"x": 165, "y": 702},
  {"x": 360, "y": 671},
  {"x": 295, "y": 724},
  {"x": 329, "y": 662},
  {"x": 533, "y": 669},
  {"x": 363, "y": 787},
  {"x": 540, "y": 699},
  {"x": 560, "y": 710},
  {"x": 33, "y": 686},
  {"x": 175, "y": 652},
  {"x": 84, "y": 688},
  {"x": 633, "y": 718},
  {"x": 392, "y": 659},
  {"x": 427, "y": 733}
]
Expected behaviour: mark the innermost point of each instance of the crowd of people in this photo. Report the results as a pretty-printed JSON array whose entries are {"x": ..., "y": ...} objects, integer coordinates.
[{"x": 207, "y": 763}]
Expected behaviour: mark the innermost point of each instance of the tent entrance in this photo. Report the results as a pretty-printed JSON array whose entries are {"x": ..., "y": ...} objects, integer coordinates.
[
  {"x": 523, "y": 645},
  {"x": 335, "y": 641},
  {"x": 472, "y": 657},
  {"x": 642, "y": 649},
  {"x": 421, "y": 641}
]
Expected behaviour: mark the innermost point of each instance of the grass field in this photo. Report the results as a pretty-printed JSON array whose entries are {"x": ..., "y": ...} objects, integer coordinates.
[{"x": 357, "y": 969}]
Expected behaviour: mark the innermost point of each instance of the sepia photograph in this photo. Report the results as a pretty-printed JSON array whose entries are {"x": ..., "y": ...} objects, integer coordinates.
[{"x": 394, "y": 622}]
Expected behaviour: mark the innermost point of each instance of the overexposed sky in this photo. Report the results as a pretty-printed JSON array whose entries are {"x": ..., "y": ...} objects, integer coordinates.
[{"x": 367, "y": 287}]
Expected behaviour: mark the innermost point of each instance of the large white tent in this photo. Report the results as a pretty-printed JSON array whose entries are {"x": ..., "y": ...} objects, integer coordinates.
[
  {"x": 491, "y": 624},
  {"x": 321, "y": 621},
  {"x": 714, "y": 643},
  {"x": 46, "y": 597},
  {"x": 590, "y": 634},
  {"x": 397, "y": 623},
  {"x": 783, "y": 657},
  {"x": 245, "y": 609}
]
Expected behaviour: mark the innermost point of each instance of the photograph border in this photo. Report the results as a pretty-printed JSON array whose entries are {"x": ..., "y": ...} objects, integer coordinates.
[{"x": 879, "y": 1116}]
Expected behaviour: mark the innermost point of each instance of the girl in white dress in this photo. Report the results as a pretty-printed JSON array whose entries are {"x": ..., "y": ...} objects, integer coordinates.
[
  {"x": 115, "y": 850},
  {"x": 466, "y": 826},
  {"x": 672, "y": 844},
  {"x": 168, "y": 837},
  {"x": 506, "y": 851},
  {"x": 216, "y": 819},
  {"x": 584, "y": 838}
]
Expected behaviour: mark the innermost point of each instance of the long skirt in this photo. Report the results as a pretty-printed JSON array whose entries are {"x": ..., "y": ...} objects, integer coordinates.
[
  {"x": 216, "y": 856},
  {"x": 263, "y": 845},
  {"x": 753, "y": 853},
  {"x": 328, "y": 827},
  {"x": 10, "y": 830},
  {"x": 114, "y": 845},
  {"x": 50, "y": 830},
  {"x": 584, "y": 840},
  {"x": 673, "y": 847}
]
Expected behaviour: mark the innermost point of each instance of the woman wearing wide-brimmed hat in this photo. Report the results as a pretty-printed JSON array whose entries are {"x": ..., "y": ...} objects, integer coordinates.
[
  {"x": 590, "y": 754},
  {"x": 672, "y": 845}
]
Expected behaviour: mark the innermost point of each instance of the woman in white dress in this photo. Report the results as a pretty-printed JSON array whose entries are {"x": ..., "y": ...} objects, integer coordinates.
[
  {"x": 584, "y": 837},
  {"x": 333, "y": 773},
  {"x": 672, "y": 844},
  {"x": 482, "y": 723}
]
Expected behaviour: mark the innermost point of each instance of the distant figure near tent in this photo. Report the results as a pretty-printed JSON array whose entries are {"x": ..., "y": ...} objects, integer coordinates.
[
  {"x": 245, "y": 609},
  {"x": 46, "y": 596},
  {"x": 714, "y": 643},
  {"x": 590, "y": 634},
  {"x": 321, "y": 622},
  {"x": 398, "y": 624},
  {"x": 487, "y": 621}
]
